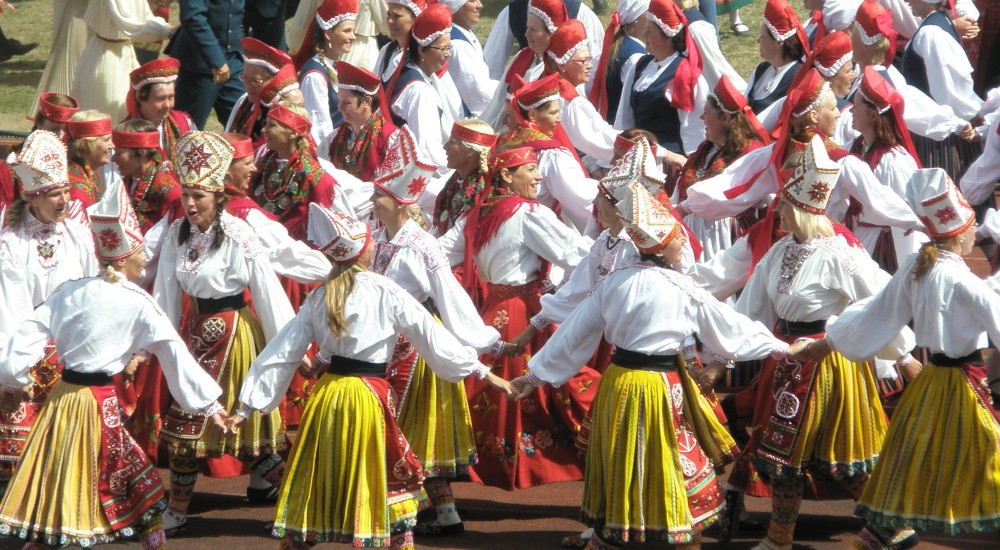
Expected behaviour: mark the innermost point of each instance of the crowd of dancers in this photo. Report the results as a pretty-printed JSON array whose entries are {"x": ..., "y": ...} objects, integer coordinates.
[{"x": 435, "y": 264}]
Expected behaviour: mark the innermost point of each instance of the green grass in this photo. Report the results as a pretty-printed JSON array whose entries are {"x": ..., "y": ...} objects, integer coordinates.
[{"x": 33, "y": 23}]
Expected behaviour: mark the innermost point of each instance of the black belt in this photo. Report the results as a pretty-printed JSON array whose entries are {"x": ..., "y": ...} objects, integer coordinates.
[
  {"x": 942, "y": 360},
  {"x": 346, "y": 366},
  {"x": 801, "y": 328},
  {"x": 86, "y": 378},
  {"x": 208, "y": 306},
  {"x": 640, "y": 361}
]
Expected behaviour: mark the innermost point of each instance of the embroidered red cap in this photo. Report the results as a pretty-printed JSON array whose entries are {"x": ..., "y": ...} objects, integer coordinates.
[
  {"x": 512, "y": 158},
  {"x": 89, "y": 128},
  {"x": 260, "y": 54},
  {"x": 433, "y": 23},
  {"x": 568, "y": 39},
  {"x": 136, "y": 140},
  {"x": 289, "y": 118}
]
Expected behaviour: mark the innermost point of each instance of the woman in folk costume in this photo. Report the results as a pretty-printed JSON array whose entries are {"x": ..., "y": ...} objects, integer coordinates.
[
  {"x": 731, "y": 131},
  {"x": 213, "y": 257},
  {"x": 54, "y": 111},
  {"x": 885, "y": 145},
  {"x": 826, "y": 421},
  {"x": 421, "y": 93},
  {"x": 349, "y": 450},
  {"x": 664, "y": 90},
  {"x": 84, "y": 480},
  {"x": 467, "y": 66},
  {"x": 151, "y": 98},
  {"x": 528, "y": 64},
  {"x": 108, "y": 56},
  {"x": 935, "y": 63},
  {"x": 89, "y": 152},
  {"x": 367, "y": 132},
  {"x": 40, "y": 249},
  {"x": 148, "y": 178},
  {"x": 512, "y": 239},
  {"x": 831, "y": 57},
  {"x": 468, "y": 153},
  {"x": 751, "y": 181},
  {"x": 400, "y": 17},
  {"x": 939, "y": 467},
  {"x": 330, "y": 36},
  {"x": 564, "y": 181},
  {"x": 431, "y": 413},
  {"x": 783, "y": 43},
  {"x": 371, "y": 22},
  {"x": 622, "y": 41},
  {"x": 874, "y": 43},
  {"x": 289, "y": 175},
  {"x": 268, "y": 76},
  {"x": 569, "y": 54},
  {"x": 655, "y": 442}
]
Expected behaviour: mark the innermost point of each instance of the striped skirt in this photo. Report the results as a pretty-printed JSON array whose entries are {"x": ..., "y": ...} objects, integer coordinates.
[
  {"x": 654, "y": 446},
  {"x": 940, "y": 465}
]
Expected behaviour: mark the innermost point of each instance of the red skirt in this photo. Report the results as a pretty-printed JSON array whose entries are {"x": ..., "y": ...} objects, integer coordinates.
[
  {"x": 14, "y": 427},
  {"x": 530, "y": 442}
]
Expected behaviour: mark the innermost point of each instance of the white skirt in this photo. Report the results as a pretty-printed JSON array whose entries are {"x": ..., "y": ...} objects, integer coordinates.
[
  {"x": 69, "y": 37},
  {"x": 101, "y": 81}
]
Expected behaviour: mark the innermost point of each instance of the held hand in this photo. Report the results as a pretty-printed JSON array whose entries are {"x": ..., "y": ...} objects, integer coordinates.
[
  {"x": 128, "y": 374},
  {"x": 910, "y": 369},
  {"x": 810, "y": 350},
  {"x": 710, "y": 375},
  {"x": 221, "y": 421},
  {"x": 799, "y": 349},
  {"x": 969, "y": 133},
  {"x": 674, "y": 159},
  {"x": 511, "y": 349},
  {"x": 499, "y": 384},
  {"x": 6, "y": 6},
  {"x": 233, "y": 424},
  {"x": 522, "y": 388}
]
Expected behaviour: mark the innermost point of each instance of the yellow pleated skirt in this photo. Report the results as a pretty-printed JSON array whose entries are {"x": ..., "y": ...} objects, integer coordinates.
[
  {"x": 647, "y": 476},
  {"x": 335, "y": 487},
  {"x": 940, "y": 466},
  {"x": 434, "y": 417},
  {"x": 843, "y": 424},
  {"x": 53, "y": 497}
]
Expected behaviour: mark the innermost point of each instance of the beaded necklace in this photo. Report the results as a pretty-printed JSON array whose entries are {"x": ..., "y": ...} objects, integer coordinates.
[{"x": 349, "y": 152}]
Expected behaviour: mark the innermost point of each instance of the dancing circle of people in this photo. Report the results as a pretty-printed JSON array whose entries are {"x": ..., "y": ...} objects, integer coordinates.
[{"x": 437, "y": 261}]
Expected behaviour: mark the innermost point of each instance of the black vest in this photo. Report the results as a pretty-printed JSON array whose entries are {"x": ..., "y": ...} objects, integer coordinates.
[
  {"x": 652, "y": 111},
  {"x": 313, "y": 65},
  {"x": 913, "y": 67},
  {"x": 780, "y": 91},
  {"x": 614, "y": 84},
  {"x": 517, "y": 16}
]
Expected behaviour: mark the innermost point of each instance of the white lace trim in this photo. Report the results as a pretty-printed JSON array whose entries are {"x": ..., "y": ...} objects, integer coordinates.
[
  {"x": 532, "y": 10},
  {"x": 780, "y": 37},
  {"x": 335, "y": 20},
  {"x": 868, "y": 39},
  {"x": 663, "y": 26},
  {"x": 815, "y": 103},
  {"x": 569, "y": 53},
  {"x": 834, "y": 67},
  {"x": 881, "y": 109},
  {"x": 433, "y": 36}
]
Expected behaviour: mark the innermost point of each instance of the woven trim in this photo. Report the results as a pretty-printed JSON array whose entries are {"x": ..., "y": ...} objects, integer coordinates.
[
  {"x": 722, "y": 105},
  {"x": 356, "y": 88},
  {"x": 261, "y": 63},
  {"x": 542, "y": 101}
]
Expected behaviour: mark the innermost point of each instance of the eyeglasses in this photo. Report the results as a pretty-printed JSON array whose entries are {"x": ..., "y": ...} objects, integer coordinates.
[
  {"x": 583, "y": 60},
  {"x": 247, "y": 80},
  {"x": 441, "y": 49}
]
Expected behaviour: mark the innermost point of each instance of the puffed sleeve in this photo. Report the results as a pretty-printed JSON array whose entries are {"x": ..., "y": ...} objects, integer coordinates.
[
  {"x": 563, "y": 178},
  {"x": 457, "y": 310},
  {"x": 588, "y": 131},
  {"x": 734, "y": 336},
  {"x": 692, "y": 126},
  {"x": 166, "y": 288},
  {"x": 448, "y": 358},
  {"x": 715, "y": 63},
  {"x": 316, "y": 94},
  {"x": 272, "y": 370},
  {"x": 949, "y": 73},
  {"x": 289, "y": 257},
  {"x": 472, "y": 76},
  {"x": 625, "y": 117},
  {"x": 882, "y": 206},
  {"x": 551, "y": 239},
  {"x": 453, "y": 242},
  {"x": 498, "y": 45},
  {"x": 557, "y": 307},
  {"x": 113, "y": 18},
  {"x": 979, "y": 180},
  {"x": 573, "y": 344},
  {"x": 269, "y": 299},
  {"x": 418, "y": 105},
  {"x": 923, "y": 116},
  {"x": 726, "y": 273},
  {"x": 707, "y": 198},
  {"x": 755, "y": 302},
  {"x": 867, "y": 326},
  {"x": 25, "y": 348}
]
